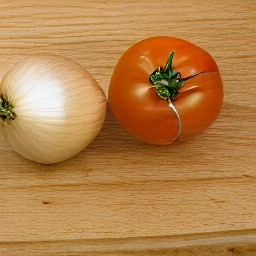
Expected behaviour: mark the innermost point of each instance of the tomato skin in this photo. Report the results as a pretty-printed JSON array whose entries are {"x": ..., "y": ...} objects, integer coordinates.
[{"x": 143, "y": 113}]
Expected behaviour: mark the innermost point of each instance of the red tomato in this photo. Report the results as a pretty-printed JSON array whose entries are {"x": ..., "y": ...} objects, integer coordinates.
[{"x": 192, "y": 82}]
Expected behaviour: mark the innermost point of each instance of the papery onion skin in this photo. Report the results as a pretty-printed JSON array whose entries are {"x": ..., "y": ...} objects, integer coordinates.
[{"x": 59, "y": 108}]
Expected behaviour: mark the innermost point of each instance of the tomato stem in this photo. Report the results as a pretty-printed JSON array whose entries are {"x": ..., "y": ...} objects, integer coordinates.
[
  {"x": 167, "y": 81},
  {"x": 6, "y": 112}
]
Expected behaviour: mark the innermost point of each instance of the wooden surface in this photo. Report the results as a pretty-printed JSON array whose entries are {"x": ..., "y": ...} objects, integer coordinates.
[{"x": 120, "y": 196}]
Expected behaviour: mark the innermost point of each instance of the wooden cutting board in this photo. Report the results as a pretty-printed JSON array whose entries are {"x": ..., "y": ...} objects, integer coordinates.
[{"x": 120, "y": 196}]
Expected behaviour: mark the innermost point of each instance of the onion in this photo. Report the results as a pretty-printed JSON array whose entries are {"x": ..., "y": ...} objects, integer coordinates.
[{"x": 50, "y": 108}]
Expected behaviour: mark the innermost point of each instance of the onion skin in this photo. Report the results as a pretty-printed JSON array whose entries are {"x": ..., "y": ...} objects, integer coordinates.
[{"x": 59, "y": 108}]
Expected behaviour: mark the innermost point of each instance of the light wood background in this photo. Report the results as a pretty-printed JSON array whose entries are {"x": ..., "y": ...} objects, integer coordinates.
[{"x": 120, "y": 196}]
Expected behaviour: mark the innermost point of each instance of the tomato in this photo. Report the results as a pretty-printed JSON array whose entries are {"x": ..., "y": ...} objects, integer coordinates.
[{"x": 185, "y": 99}]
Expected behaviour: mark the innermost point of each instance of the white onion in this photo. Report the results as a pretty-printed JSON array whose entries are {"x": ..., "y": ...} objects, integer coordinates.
[{"x": 58, "y": 108}]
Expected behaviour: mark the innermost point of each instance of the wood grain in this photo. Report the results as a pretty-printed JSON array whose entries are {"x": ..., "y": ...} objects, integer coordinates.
[{"x": 120, "y": 196}]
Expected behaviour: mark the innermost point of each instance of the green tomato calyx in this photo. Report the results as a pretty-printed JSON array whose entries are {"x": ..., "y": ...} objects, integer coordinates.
[{"x": 167, "y": 81}]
